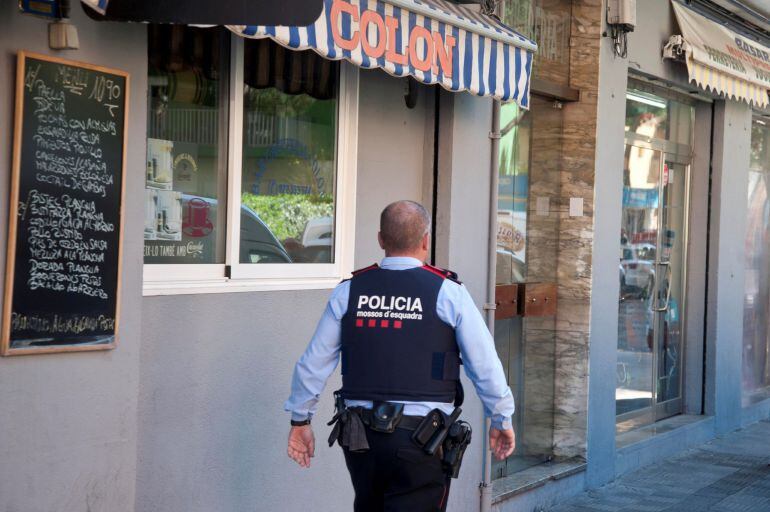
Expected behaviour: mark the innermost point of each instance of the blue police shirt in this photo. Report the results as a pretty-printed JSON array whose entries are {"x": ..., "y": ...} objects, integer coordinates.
[{"x": 454, "y": 306}]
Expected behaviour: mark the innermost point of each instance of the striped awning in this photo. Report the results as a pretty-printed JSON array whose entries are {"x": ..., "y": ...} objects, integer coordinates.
[
  {"x": 719, "y": 59},
  {"x": 434, "y": 41},
  {"x": 709, "y": 78}
]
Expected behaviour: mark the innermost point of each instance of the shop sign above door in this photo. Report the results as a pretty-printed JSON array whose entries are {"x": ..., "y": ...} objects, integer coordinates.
[
  {"x": 720, "y": 59},
  {"x": 434, "y": 41}
]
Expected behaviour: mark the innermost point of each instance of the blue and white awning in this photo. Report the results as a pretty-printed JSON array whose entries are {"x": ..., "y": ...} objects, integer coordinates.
[{"x": 434, "y": 41}]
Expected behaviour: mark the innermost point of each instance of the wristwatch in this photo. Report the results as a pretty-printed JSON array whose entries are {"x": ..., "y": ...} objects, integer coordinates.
[{"x": 300, "y": 423}]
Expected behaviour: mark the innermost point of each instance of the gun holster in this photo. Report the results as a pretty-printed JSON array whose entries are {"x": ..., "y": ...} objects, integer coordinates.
[
  {"x": 386, "y": 416},
  {"x": 457, "y": 440}
]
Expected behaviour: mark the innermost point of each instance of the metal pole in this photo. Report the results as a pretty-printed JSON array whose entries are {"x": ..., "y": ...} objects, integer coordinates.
[{"x": 489, "y": 307}]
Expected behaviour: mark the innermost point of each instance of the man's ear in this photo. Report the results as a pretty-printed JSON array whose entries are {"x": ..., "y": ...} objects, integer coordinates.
[
  {"x": 426, "y": 241},
  {"x": 379, "y": 239}
]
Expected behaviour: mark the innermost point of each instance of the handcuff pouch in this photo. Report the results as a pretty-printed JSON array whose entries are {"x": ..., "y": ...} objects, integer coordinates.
[{"x": 386, "y": 416}]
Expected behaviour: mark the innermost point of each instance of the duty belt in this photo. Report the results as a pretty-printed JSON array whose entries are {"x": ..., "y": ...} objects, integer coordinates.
[
  {"x": 432, "y": 432},
  {"x": 349, "y": 425},
  {"x": 406, "y": 422}
]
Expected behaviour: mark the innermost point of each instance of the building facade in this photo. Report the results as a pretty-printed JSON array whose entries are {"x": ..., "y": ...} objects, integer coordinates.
[{"x": 630, "y": 257}]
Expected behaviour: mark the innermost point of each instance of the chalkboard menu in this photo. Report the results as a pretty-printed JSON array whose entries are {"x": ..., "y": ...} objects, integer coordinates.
[{"x": 62, "y": 282}]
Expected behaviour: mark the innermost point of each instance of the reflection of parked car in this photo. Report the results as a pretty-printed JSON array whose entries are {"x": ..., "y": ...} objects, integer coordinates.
[
  {"x": 637, "y": 269},
  {"x": 318, "y": 240},
  {"x": 199, "y": 237},
  {"x": 318, "y": 231},
  {"x": 258, "y": 244}
]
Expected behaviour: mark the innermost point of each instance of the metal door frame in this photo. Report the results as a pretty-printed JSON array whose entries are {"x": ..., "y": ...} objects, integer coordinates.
[{"x": 677, "y": 154}]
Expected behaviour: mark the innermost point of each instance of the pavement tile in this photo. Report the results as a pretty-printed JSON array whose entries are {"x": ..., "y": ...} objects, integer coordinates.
[
  {"x": 743, "y": 503},
  {"x": 694, "y": 504},
  {"x": 729, "y": 474}
]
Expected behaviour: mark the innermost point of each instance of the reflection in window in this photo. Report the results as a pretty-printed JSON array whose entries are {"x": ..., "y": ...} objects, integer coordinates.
[
  {"x": 652, "y": 116},
  {"x": 184, "y": 177},
  {"x": 527, "y": 214},
  {"x": 548, "y": 22},
  {"x": 646, "y": 114},
  {"x": 289, "y": 145},
  {"x": 512, "y": 194},
  {"x": 756, "y": 312}
]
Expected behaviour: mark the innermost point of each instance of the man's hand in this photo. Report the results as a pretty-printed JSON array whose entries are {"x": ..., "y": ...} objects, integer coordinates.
[
  {"x": 502, "y": 442},
  {"x": 301, "y": 445}
]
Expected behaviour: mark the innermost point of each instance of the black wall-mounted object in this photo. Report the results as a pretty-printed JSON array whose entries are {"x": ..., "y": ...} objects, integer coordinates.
[
  {"x": 297, "y": 13},
  {"x": 412, "y": 92}
]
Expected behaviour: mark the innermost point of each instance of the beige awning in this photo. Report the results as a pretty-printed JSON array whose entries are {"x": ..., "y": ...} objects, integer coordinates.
[{"x": 719, "y": 59}]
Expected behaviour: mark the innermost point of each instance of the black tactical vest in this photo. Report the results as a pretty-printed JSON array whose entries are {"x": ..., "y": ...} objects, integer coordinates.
[{"x": 394, "y": 346}]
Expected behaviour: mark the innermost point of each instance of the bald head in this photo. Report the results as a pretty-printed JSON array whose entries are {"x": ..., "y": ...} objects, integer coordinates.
[{"x": 403, "y": 226}]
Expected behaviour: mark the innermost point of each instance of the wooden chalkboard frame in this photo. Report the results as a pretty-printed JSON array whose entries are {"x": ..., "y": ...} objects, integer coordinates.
[{"x": 5, "y": 333}]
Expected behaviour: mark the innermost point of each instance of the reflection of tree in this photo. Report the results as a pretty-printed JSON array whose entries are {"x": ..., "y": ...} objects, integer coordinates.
[
  {"x": 287, "y": 214},
  {"x": 296, "y": 116},
  {"x": 520, "y": 15},
  {"x": 505, "y": 161},
  {"x": 760, "y": 159},
  {"x": 271, "y": 101}
]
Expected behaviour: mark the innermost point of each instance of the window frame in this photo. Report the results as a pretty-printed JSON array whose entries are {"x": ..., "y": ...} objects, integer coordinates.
[{"x": 234, "y": 276}]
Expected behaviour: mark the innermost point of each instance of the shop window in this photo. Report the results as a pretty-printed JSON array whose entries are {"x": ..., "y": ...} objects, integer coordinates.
[
  {"x": 649, "y": 116},
  {"x": 530, "y": 157},
  {"x": 756, "y": 321},
  {"x": 289, "y": 119},
  {"x": 186, "y": 146},
  {"x": 246, "y": 167}
]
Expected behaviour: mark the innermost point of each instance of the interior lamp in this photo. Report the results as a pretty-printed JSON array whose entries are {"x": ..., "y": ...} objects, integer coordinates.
[{"x": 62, "y": 35}]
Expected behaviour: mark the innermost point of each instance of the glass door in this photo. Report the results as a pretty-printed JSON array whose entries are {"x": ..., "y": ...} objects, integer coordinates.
[
  {"x": 668, "y": 303},
  {"x": 651, "y": 273}
]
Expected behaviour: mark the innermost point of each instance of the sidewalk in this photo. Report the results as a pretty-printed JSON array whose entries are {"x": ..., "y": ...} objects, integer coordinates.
[{"x": 729, "y": 474}]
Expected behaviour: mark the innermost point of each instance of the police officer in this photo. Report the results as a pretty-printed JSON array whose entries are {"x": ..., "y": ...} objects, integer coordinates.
[{"x": 402, "y": 328}]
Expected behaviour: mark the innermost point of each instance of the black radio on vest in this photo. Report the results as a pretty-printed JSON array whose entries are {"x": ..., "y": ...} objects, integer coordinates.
[{"x": 394, "y": 345}]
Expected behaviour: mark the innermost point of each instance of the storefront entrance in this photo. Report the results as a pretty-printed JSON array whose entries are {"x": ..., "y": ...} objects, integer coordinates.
[{"x": 652, "y": 265}]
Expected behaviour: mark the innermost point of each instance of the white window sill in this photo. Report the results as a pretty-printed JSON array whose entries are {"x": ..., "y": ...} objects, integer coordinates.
[{"x": 223, "y": 285}]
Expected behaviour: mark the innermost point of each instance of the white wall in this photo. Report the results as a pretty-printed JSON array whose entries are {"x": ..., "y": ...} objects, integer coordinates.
[
  {"x": 68, "y": 421},
  {"x": 393, "y": 148}
]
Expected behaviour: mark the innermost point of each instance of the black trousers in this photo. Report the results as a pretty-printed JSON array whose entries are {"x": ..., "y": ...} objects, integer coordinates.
[{"x": 394, "y": 475}]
